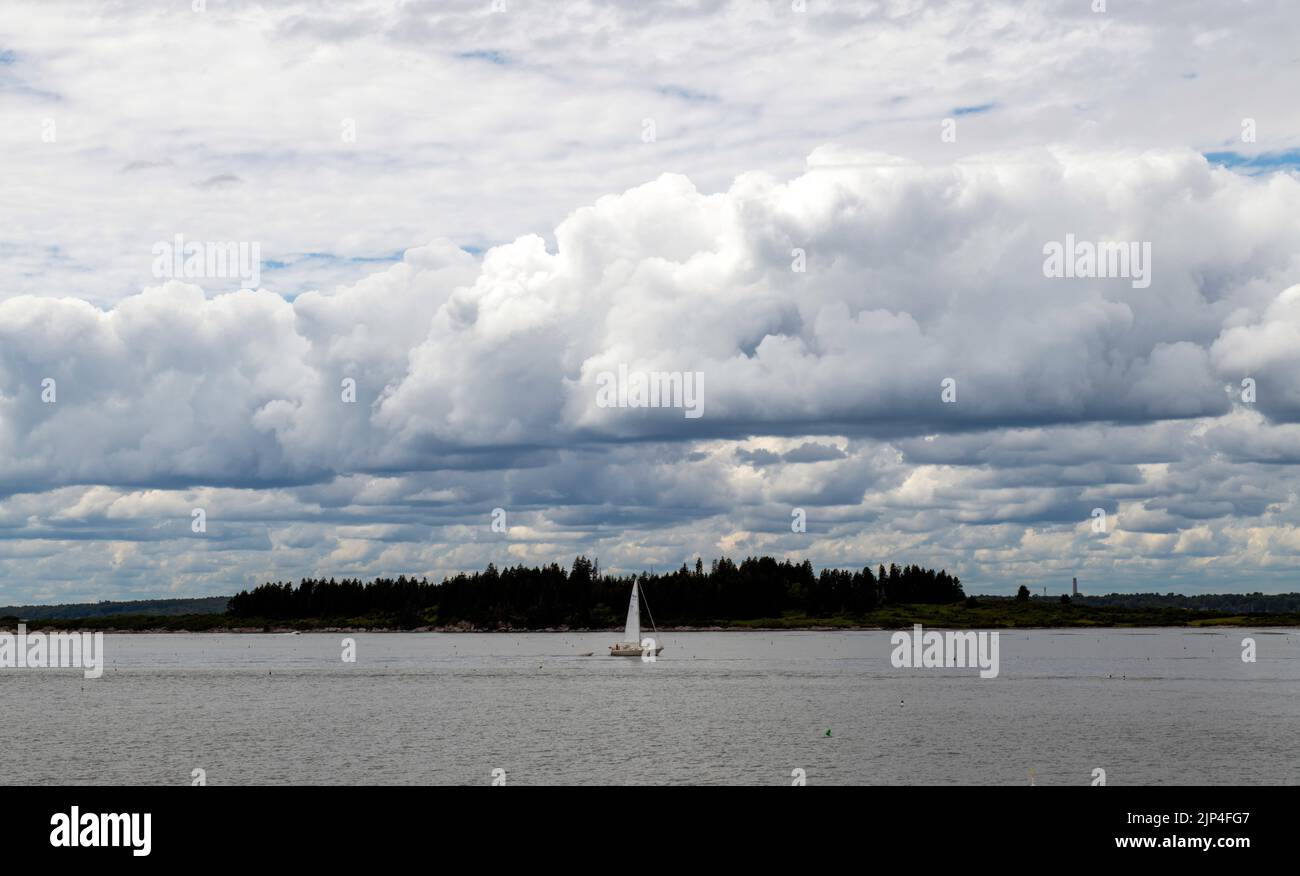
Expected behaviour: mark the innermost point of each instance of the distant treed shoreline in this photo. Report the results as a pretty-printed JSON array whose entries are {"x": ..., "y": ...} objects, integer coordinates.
[
  {"x": 758, "y": 593},
  {"x": 582, "y": 597}
]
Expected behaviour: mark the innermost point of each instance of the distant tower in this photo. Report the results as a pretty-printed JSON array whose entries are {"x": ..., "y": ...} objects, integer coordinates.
[{"x": 1075, "y": 587}]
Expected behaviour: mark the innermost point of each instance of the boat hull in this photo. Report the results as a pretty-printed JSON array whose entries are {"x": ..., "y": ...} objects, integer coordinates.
[{"x": 625, "y": 650}]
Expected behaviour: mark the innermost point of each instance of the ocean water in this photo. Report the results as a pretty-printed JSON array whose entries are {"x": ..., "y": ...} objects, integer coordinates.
[{"x": 1146, "y": 706}]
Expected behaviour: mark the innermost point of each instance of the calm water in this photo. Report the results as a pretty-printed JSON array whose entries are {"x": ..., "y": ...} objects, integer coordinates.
[{"x": 1148, "y": 706}]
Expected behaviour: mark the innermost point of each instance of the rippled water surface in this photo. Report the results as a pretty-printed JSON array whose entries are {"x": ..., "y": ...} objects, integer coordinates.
[{"x": 1148, "y": 706}]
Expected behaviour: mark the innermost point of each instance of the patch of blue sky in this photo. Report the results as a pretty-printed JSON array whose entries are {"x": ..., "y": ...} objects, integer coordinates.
[
  {"x": 1251, "y": 165},
  {"x": 973, "y": 110},
  {"x": 683, "y": 93},
  {"x": 492, "y": 56}
]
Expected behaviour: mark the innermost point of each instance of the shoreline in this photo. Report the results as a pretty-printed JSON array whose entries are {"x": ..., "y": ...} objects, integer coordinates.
[
  {"x": 1207, "y": 624},
  {"x": 967, "y": 615}
]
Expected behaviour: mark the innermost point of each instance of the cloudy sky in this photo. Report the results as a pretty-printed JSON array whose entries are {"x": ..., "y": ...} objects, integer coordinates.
[{"x": 471, "y": 211}]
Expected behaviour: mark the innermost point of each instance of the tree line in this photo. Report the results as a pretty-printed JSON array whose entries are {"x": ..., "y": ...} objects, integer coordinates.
[
  {"x": 1242, "y": 603},
  {"x": 584, "y": 597}
]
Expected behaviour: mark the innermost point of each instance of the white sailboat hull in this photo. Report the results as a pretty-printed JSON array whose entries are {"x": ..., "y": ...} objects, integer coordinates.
[{"x": 630, "y": 649}]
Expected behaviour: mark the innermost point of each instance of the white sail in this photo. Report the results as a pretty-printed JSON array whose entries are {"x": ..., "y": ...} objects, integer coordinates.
[{"x": 632, "y": 633}]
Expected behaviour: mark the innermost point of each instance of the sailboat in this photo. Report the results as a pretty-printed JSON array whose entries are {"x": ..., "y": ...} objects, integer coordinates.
[{"x": 633, "y": 645}]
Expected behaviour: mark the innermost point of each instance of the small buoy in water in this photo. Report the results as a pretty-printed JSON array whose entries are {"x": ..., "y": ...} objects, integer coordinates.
[{"x": 828, "y": 732}]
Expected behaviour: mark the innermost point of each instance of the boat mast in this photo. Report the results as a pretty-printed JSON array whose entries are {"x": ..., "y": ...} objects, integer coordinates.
[{"x": 646, "y": 600}]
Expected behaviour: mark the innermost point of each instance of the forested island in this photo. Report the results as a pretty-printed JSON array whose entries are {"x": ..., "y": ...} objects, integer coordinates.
[
  {"x": 757, "y": 593},
  {"x": 583, "y": 597}
]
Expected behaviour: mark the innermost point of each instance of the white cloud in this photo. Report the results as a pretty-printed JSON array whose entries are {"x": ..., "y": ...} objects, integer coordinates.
[{"x": 500, "y": 234}]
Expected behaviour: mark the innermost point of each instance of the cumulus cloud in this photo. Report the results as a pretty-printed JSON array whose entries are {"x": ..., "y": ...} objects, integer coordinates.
[
  {"x": 911, "y": 276},
  {"x": 520, "y": 115},
  {"x": 864, "y": 302},
  {"x": 475, "y": 378}
]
